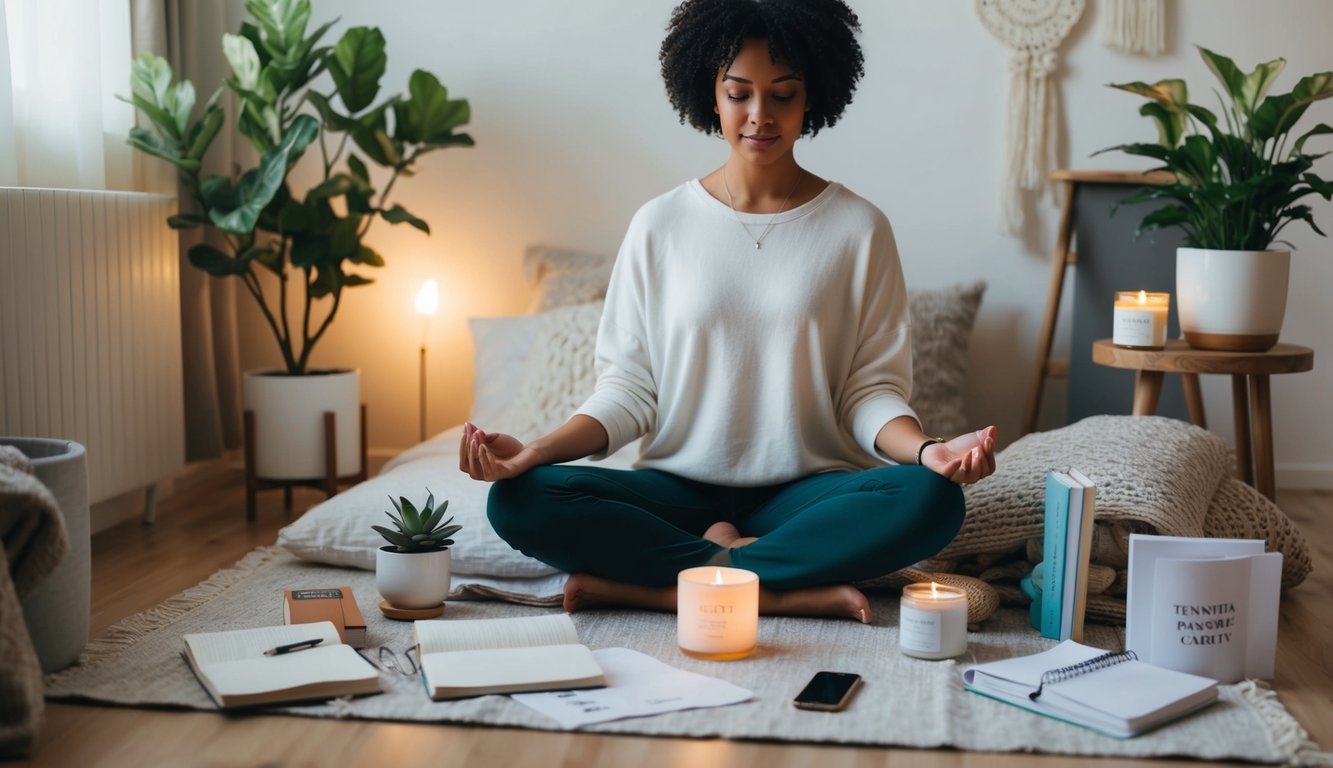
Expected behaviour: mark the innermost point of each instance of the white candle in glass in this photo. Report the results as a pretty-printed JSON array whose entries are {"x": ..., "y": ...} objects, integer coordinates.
[
  {"x": 1139, "y": 319},
  {"x": 932, "y": 621},
  {"x": 717, "y": 612}
]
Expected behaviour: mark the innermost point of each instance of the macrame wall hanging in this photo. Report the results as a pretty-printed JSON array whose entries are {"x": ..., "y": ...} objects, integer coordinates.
[
  {"x": 1135, "y": 26},
  {"x": 1033, "y": 30}
]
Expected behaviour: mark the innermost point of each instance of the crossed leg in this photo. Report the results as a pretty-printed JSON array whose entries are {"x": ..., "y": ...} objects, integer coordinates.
[{"x": 584, "y": 591}]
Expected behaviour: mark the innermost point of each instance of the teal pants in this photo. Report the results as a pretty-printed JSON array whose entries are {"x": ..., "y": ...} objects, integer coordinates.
[{"x": 645, "y": 526}]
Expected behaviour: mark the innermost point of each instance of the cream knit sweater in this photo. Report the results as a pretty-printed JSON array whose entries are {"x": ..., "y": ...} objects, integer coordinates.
[{"x": 749, "y": 367}]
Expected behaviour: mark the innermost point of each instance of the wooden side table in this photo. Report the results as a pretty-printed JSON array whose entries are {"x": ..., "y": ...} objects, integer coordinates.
[{"x": 1250, "y": 401}]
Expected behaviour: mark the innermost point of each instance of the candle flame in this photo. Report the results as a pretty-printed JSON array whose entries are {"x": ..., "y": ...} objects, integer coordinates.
[
  {"x": 1143, "y": 297},
  {"x": 934, "y": 590},
  {"x": 717, "y": 576}
]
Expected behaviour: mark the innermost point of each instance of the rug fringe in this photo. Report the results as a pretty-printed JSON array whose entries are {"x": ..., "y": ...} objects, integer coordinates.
[
  {"x": 1287, "y": 735},
  {"x": 125, "y": 633}
]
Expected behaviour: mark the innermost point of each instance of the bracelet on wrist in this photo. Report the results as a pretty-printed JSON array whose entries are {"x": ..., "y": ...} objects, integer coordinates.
[{"x": 925, "y": 445}]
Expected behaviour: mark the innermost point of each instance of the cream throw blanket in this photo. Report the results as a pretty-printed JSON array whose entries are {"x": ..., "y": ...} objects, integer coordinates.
[{"x": 33, "y": 533}]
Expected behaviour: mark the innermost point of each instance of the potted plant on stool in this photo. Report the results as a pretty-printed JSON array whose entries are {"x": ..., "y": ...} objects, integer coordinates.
[
  {"x": 1237, "y": 185},
  {"x": 263, "y": 232},
  {"x": 412, "y": 572}
]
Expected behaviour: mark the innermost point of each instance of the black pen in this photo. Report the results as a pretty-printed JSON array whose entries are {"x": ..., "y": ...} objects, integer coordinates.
[{"x": 289, "y": 647}]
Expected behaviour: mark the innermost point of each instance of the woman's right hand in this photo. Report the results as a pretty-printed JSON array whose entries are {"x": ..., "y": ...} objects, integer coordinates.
[{"x": 493, "y": 456}]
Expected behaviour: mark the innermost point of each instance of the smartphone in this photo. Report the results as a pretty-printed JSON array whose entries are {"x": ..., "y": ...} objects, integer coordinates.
[{"x": 828, "y": 691}]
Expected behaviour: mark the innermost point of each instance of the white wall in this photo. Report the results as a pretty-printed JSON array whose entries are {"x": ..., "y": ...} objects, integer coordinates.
[{"x": 574, "y": 132}]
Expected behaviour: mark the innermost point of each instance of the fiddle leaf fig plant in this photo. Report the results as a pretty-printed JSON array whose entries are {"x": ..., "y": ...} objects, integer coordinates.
[
  {"x": 1238, "y": 179},
  {"x": 316, "y": 236}
]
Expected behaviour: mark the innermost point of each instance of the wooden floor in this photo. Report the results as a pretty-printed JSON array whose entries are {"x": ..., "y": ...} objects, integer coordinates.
[{"x": 201, "y": 528}]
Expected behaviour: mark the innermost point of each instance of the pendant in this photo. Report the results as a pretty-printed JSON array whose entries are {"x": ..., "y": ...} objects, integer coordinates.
[{"x": 756, "y": 245}]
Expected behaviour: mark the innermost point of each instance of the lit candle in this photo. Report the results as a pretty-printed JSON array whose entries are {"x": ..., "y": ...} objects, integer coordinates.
[
  {"x": 932, "y": 621},
  {"x": 717, "y": 612},
  {"x": 1140, "y": 319}
]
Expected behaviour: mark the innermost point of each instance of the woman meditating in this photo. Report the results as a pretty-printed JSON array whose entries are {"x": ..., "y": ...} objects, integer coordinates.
[{"x": 756, "y": 336}]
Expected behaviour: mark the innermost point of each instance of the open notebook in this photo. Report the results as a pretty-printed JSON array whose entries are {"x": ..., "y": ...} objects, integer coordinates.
[
  {"x": 233, "y": 668},
  {"x": 473, "y": 657},
  {"x": 1111, "y": 693}
]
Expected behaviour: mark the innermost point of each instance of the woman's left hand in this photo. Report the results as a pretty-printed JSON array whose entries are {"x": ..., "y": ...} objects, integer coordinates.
[{"x": 964, "y": 459}]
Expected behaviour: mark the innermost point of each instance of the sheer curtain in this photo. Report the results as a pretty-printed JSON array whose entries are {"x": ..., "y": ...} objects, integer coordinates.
[
  {"x": 62, "y": 63},
  {"x": 188, "y": 33},
  {"x": 60, "y": 122}
]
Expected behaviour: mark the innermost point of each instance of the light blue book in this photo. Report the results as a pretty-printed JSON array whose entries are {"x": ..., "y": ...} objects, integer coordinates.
[
  {"x": 1066, "y": 545},
  {"x": 1053, "y": 554}
]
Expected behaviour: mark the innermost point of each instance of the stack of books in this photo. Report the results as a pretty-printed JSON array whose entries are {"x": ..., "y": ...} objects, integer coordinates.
[{"x": 1059, "y": 585}]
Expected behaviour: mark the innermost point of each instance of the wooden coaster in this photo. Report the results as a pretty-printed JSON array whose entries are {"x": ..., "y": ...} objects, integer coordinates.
[{"x": 410, "y": 614}]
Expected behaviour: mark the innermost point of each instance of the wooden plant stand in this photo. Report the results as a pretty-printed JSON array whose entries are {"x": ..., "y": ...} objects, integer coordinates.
[{"x": 328, "y": 483}]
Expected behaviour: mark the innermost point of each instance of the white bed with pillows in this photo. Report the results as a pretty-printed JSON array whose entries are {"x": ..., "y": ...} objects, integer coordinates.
[{"x": 1153, "y": 474}]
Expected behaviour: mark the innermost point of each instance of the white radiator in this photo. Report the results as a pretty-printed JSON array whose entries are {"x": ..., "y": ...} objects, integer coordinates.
[{"x": 90, "y": 340}]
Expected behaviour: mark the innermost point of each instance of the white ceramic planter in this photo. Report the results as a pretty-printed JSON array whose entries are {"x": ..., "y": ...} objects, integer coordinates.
[
  {"x": 289, "y": 422},
  {"x": 1231, "y": 300},
  {"x": 57, "y": 611},
  {"x": 412, "y": 579}
]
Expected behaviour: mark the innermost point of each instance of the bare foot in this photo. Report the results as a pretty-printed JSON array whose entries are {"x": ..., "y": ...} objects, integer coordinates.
[
  {"x": 726, "y": 535},
  {"x": 583, "y": 592},
  {"x": 837, "y": 601}
]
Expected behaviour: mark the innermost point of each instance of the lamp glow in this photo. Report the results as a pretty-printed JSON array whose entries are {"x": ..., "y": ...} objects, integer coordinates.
[{"x": 428, "y": 298}]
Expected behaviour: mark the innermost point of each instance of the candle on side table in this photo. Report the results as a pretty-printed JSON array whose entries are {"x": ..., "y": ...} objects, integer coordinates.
[
  {"x": 1140, "y": 319},
  {"x": 717, "y": 612},
  {"x": 932, "y": 621}
]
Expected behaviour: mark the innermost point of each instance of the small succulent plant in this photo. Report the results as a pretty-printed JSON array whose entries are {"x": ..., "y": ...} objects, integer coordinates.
[{"x": 418, "y": 531}]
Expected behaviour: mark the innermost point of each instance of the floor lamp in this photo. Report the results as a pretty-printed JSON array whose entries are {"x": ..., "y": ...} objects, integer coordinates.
[{"x": 428, "y": 301}]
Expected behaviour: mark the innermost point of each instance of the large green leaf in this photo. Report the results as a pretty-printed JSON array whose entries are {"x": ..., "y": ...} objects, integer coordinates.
[
  {"x": 146, "y": 141},
  {"x": 1318, "y": 130},
  {"x": 371, "y": 135},
  {"x": 282, "y": 21},
  {"x": 311, "y": 251},
  {"x": 1278, "y": 114},
  {"x": 1171, "y": 123},
  {"x": 200, "y": 135},
  {"x": 357, "y": 63},
  {"x": 398, "y": 214},
  {"x": 328, "y": 280},
  {"x": 345, "y": 241},
  {"x": 332, "y": 118},
  {"x": 258, "y": 186},
  {"x": 1245, "y": 91},
  {"x": 215, "y": 262},
  {"x": 150, "y": 77},
  {"x": 243, "y": 59},
  {"x": 428, "y": 113},
  {"x": 1172, "y": 92}
]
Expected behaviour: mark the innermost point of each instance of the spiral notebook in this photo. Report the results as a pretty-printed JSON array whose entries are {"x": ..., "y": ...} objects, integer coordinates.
[{"x": 1111, "y": 693}]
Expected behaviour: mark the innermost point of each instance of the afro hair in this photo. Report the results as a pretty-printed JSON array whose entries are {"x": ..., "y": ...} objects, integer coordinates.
[{"x": 816, "y": 38}]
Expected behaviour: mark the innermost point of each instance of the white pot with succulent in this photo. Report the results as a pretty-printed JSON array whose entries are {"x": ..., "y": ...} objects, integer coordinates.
[
  {"x": 1236, "y": 187},
  {"x": 295, "y": 251},
  {"x": 412, "y": 572}
]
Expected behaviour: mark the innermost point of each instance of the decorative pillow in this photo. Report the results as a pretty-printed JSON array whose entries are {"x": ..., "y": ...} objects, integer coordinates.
[
  {"x": 500, "y": 353},
  {"x": 559, "y": 372},
  {"x": 1153, "y": 474},
  {"x": 941, "y": 325},
  {"x": 337, "y": 531},
  {"x": 565, "y": 277}
]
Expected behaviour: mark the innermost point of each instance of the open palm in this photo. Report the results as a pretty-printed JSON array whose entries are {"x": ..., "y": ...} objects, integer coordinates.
[{"x": 964, "y": 459}]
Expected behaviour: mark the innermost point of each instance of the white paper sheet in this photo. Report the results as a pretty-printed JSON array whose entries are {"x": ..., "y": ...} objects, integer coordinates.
[{"x": 637, "y": 685}]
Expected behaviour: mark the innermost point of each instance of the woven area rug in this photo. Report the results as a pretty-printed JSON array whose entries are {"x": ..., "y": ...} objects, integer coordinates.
[{"x": 904, "y": 702}]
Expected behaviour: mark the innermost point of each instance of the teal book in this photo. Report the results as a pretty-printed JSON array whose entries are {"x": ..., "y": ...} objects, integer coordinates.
[
  {"x": 1053, "y": 552},
  {"x": 1066, "y": 547}
]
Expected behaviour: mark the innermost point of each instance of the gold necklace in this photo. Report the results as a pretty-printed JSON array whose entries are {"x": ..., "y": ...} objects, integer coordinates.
[{"x": 757, "y": 240}]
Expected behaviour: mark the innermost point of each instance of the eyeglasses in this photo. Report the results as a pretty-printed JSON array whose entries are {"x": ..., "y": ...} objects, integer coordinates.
[{"x": 390, "y": 660}]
